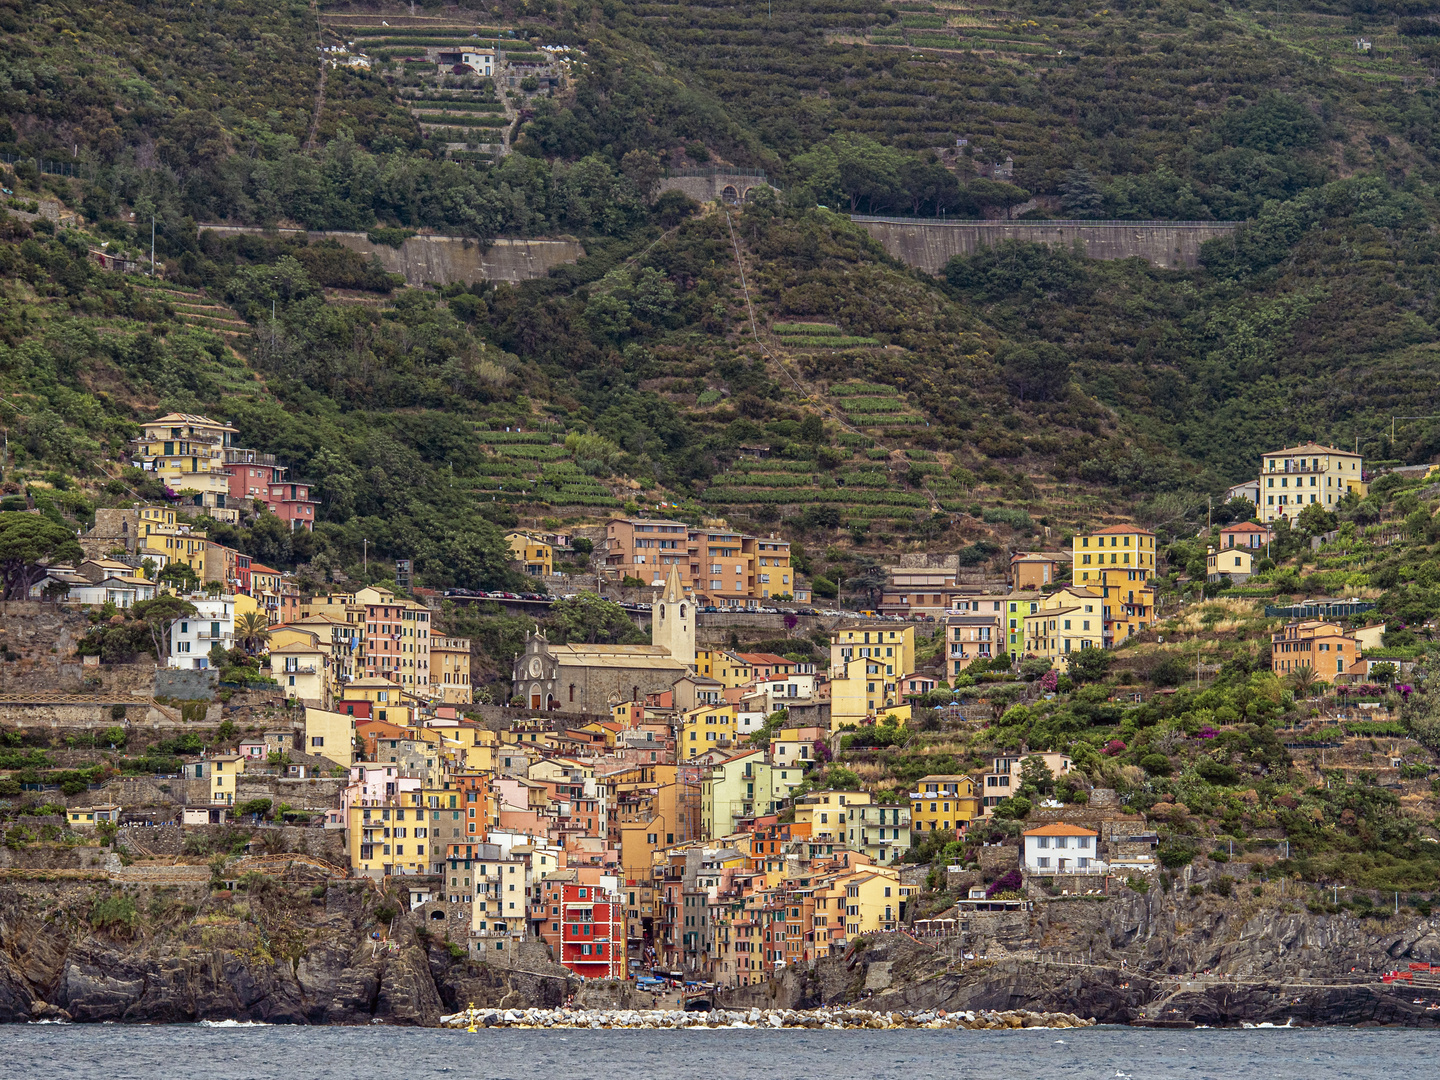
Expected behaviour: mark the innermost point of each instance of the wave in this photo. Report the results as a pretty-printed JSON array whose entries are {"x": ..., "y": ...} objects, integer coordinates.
[{"x": 233, "y": 1023}]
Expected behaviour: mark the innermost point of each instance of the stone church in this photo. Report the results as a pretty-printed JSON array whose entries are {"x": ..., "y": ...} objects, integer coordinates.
[{"x": 592, "y": 678}]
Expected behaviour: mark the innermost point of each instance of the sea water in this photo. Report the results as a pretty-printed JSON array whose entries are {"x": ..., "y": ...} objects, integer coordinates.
[{"x": 259, "y": 1052}]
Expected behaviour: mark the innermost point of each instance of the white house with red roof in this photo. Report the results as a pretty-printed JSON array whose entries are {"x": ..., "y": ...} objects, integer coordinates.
[{"x": 1060, "y": 848}]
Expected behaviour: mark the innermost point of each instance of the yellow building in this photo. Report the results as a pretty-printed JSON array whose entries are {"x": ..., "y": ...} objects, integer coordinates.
[
  {"x": 176, "y": 545},
  {"x": 535, "y": 556},
  {"x": 187, "y": 452},
  {"x": 302, "y": 668},
  {"x": 864, "y": 689},
  {"x": 871, "y": 898},
  {"x": 1129, "y": 604},
  {"x": 709, "y": 727},
  {"x": 387, "y": 700},
  {"x": 1058, "y": 630},
  {"x": 890, "y": 650},
  {"x": 1236, "y": 563},
  {"x": 391, "y": 839},
  {"x": 1122, "y": 547},
  {"x": 225, "y": 770},
  {"x": 330, "y": 735},
  {"x": 824, "y": 813},
  {"x": 450, "y": 670},
  {"x": 942, "y": 802},
  {"x": 724, "y": 667},
  {"x": 1299, "y": 476},
  {"x": 155, "y": 519}
]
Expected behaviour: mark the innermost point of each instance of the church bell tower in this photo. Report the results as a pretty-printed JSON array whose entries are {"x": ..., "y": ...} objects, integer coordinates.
[{"x": 672, "y": 620}]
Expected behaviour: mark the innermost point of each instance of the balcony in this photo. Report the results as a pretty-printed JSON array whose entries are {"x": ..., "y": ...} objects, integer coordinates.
[{"x": 237, "y": 456}]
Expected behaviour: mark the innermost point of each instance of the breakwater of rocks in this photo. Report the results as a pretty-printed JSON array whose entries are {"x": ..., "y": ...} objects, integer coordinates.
[{"x": 770, "y": 1019}]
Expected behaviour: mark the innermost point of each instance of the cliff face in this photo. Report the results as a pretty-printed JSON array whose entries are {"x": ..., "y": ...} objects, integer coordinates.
[
  {"x": 277, "y": 954},
  {"x": 1130, "y": 957}
]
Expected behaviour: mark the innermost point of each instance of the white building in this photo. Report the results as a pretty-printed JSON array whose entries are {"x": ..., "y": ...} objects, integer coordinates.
[
  {"x": 192, "y": 637},
  {"x": 483, "y": 61},
  {"x": 1061, "y": 849}
]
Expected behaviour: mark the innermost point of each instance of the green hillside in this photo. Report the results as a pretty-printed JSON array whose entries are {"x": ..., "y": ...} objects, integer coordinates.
[{"x": 1023, "y": 389}]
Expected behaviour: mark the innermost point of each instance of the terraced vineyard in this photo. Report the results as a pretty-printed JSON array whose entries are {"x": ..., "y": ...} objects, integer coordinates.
[
  {"x": 461, "y": 109},
  {"x": 536, "y": 468},
  {"x": 873, "y": 406},
  {"x": 818, "y": 335}
]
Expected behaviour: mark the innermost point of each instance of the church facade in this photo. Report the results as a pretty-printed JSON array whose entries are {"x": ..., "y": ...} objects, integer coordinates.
[{"x": 593, "y": 678}]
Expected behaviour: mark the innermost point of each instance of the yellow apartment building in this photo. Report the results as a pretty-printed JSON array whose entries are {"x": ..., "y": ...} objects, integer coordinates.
[
  {"x": 1299, "y": 476},
  {"x": 709, "y": 727},
  {"x": 943, "y": 802},
  {"x": 187, "y": 452},
  {"x": 536, "y": 557}
]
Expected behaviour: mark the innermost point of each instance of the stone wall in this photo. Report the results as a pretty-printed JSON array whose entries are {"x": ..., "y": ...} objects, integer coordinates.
[
  {"x": 187, "y": 684},
  {"x": 314, "y": 794},
  {"x": 711, "y": 185},
  {"x": 441, "y": 260},
  {"x": 929, "y": 245}
]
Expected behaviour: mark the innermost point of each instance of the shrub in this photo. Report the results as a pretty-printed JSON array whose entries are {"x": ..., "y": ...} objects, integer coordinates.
[
  {"x": 114, "y": 914},
  {"x": 1172, "y": 856},
  {"x": 1156, "y": 764},
  {"x": 1216, "y": 772}
]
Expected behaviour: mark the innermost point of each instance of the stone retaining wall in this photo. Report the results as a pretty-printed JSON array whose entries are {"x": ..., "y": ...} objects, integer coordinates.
[{"x": 442, "y": 260}]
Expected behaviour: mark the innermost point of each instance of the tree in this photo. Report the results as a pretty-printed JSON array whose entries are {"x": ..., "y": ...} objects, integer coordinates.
[
  {"x": 991, "y": 193},
  {"x": 159, "y": 615},
  {"x": 1303, "y": 681},
  {"x": 252, "y": 630},
  {"x": 1080, "y": 196},
  {"x": 587, "y": 618},
  {"x": 1035, "y": 774},
  {"x": 1034, "y": 372},
  {"x": 1384, "y": 672},
  {"x": 1315, "y": 520},
  {"x": 180, "y": 575},
  {"x": 1421, "y": 711},
  {"x": 29, "y": 544},
  {"x": 1013, "y": 808},
  {"x": 1090, "y": 665}
]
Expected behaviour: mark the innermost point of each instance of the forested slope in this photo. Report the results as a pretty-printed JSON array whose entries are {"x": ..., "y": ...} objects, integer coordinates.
[{"x": 1024, "y": 388}]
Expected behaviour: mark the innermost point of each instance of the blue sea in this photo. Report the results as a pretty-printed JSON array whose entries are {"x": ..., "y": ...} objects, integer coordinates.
[{"x": 225, "y": 1052}]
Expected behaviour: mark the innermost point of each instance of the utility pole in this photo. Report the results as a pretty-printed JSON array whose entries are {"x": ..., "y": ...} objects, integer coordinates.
[
  {"x": 365, "y": 555},
  {"x": 152, "y": 245}
]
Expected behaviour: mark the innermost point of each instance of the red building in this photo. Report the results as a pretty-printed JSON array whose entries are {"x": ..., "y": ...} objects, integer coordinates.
[
  {"x": 257, "y": 476},
  {"x": 589, "y": 925}
]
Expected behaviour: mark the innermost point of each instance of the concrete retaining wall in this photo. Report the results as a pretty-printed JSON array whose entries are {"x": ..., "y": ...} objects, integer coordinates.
[
  {"x": 443, "y": 260},
  {"x": 929, "y": 245}
]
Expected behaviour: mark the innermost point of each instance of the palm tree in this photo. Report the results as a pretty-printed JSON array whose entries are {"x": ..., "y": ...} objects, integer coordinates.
[
  {"x": 253, "y": 630},
  {"x": 1303, "y": 681}
]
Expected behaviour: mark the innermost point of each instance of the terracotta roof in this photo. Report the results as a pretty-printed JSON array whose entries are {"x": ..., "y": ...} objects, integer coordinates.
[
  {"x": 1310, "y": 448},
  {"x": 1244, "y": 526},
  {"x": 1059, "y": 828},
  {"x": 763, "y": 658},
  {"x": 1036, "y": 556},
  {"x": 1121, "y": 530}
]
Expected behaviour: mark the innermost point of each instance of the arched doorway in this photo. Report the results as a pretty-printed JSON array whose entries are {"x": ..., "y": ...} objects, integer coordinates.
[{"x": 729, "y": 196}]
